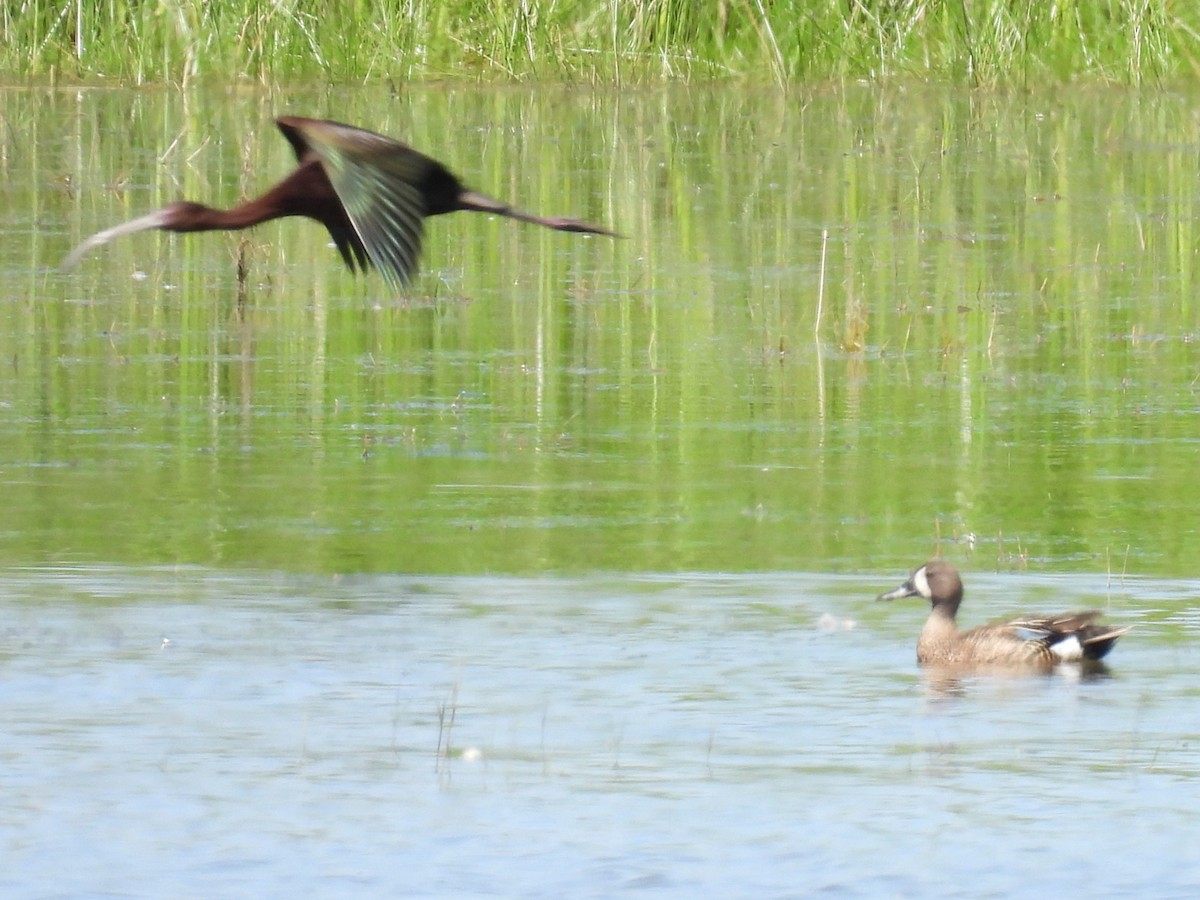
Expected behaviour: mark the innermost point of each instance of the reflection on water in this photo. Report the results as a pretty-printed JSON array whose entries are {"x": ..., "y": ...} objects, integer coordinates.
[
  {"x": 709, "y": 735},
  {"x": 956, "y": 680},
  {"x": 1004, "y": 345}
]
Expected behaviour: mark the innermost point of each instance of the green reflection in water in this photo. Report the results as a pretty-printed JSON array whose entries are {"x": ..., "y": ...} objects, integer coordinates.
[{"x": 1005, "y": 342}]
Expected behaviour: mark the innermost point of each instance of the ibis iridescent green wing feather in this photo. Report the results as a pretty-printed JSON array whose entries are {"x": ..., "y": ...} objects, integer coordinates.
[
  {"x": 386, "y": 188},
  {"x": 387, "y": 214}
]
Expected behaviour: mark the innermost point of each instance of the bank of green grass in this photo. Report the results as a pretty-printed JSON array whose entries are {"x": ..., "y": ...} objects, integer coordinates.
[{"x": 621, "y": 41}]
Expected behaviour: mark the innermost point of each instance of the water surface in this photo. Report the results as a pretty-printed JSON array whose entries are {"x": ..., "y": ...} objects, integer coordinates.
[
  {"x": 191, "y": 733},
  {"x": 553, "y": 576}
]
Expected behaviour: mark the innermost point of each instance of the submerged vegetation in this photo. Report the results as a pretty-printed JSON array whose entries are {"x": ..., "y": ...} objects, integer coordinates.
[{"x": 976, "y": 41}]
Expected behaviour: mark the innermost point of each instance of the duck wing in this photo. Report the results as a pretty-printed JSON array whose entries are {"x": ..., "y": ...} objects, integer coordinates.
[{"x": 1071, "y": 636}]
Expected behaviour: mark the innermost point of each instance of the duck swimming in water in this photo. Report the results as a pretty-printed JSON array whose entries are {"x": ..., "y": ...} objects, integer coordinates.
[{"x": 1031, "y": 641}]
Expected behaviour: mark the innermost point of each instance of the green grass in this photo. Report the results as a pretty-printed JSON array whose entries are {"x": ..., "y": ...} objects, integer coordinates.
[{"x": 990, "y": 42}]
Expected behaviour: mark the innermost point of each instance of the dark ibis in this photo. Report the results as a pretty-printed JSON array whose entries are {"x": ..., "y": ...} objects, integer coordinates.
[{"x": 373, "y": 193}]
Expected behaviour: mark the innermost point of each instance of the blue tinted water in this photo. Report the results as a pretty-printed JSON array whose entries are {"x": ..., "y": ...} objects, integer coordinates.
[{"x": 198, "y": 733}]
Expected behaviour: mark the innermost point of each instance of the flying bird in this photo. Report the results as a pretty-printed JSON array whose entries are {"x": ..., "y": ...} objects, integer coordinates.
[{"x": 371, "y": 192}]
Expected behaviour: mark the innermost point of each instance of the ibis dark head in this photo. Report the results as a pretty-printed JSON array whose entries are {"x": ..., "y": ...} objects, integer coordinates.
[{"x": 370, "y": 192}]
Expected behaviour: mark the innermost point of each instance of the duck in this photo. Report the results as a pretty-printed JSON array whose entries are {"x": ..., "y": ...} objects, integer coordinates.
[{"x": 1029, "y": 641}]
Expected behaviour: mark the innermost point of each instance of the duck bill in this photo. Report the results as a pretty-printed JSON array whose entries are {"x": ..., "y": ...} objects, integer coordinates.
[{"x": 905, "y": 590}]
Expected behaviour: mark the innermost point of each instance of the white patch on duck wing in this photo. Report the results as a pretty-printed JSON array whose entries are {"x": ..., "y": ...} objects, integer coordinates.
[{"x": 1069, "y": 649}]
